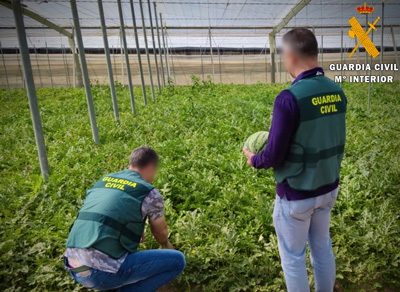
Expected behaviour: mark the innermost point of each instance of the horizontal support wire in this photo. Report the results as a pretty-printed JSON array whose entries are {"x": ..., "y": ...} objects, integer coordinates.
[
  {"x": 202, "y": 27},
  {"x": 263, "y": 3}
]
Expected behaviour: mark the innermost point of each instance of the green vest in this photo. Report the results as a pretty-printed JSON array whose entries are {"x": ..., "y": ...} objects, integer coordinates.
[
  {"x": 110, "y": 220},
  {"x": 316, "y": 151}
]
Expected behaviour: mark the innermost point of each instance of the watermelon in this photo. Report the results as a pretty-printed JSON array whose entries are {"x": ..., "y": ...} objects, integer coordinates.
[{"x": 256, "y": 143}]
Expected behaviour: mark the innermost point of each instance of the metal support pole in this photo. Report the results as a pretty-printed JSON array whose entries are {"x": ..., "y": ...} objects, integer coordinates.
[
  {"x": 78, "y": 81},
  {"x": 48, "y": 62},
  {"x": 86, "y": 81},
  {"x": 272, "y": 55},
  {"x": 382, "y": 48},
  {"x": 20, "y": 68},
  {"x": 266, "y": 65},
  {"x": 108, "y": 59},
  {"x": 115, "y": 64},
  {"x": 322, "y": 51},
  {"x": 319, "y": 52},
  {"x": 278, "y": 66},
  {"x": 122, "y": 58},
  {"x": 74, "y": 66},
  {"x": 164, "y": 49},
  {"x": 211, "y": 54},
  {"x": 202, "y": 68},
  {"x": 65, "y": 65},
  {"x": 154, "y": 46},
  {"x": 17, "y": 74},
  {"x": 395, "y": 52},
  {"x": 128, "y": 67},
  {"x": 341, "y": 58},
  {"x": 159, "y": 44},
  {"x": 138, "y": 52},
  {"x": 30, "y": 85},
  {"x": 244, "y": 68},
  {"x": 219, "y": 65},
  {"x": 168, "y": 53},
  {"x": 173, "y": 64},
  {"x": 5, "y": 72},
  {"x": 37, "y": 65},
  {"x": 147, "y": 50},
  {"x": 74, "y": 74}
]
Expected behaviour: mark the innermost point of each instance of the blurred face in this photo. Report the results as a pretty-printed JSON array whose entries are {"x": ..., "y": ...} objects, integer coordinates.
[
  {"x": 148, "y": 172},
  {"x": 290, "y": 59}
]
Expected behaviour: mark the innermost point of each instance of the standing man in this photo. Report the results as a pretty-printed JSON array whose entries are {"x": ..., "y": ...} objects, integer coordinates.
[
  {"x": 305, "y": 149},
  {"x": 102, "y": 244}
]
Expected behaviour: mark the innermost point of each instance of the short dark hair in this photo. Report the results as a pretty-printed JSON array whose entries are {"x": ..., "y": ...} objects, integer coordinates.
[
  {"x": 302, "y": 41},
  {"x": 143, "y": 156}
]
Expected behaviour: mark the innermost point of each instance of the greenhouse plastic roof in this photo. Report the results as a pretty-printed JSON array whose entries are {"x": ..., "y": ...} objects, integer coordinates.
[{"x": 244, "y": 22}]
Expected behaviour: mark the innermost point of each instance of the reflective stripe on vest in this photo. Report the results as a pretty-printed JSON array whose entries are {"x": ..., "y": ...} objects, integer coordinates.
[
  {"x": 110, "y": 222},
  {"x": 315, "y": 157}
]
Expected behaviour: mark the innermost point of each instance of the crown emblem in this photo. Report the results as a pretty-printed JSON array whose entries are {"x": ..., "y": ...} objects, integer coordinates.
[{"x": 365, "y": 9}]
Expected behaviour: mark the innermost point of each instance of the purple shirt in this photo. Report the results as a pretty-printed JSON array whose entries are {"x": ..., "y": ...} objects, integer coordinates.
[{"x": 285, "y": 122}]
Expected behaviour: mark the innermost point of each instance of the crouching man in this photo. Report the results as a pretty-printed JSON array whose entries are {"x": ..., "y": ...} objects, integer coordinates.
[{"x": 102, "y": 244}]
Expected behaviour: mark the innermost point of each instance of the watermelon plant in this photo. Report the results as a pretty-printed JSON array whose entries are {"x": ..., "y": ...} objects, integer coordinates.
[{"x": 219, "y": 209}]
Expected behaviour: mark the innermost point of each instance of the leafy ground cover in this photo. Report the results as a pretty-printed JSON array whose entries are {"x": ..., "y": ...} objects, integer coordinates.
[{"x": 219, "y": 210}]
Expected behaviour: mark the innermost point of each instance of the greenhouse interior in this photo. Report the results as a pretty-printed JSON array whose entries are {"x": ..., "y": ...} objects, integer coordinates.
[
  {"x": 228, "y": 40},
  {"x": 84, "y": 82}
]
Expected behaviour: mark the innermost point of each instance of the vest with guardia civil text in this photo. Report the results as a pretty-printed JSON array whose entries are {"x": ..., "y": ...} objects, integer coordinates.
[
  {"x": 316, "y": 151},
  {"x": 111, "y": 220}
]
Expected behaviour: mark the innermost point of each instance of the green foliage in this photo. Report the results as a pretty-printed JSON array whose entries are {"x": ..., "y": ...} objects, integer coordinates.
[{"x": 219, "y": 209}]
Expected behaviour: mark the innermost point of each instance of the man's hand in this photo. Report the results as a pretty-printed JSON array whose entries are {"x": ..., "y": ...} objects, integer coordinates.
[
  {"x": 248, "y": 154},
  {"x": 169, "y": 245}
]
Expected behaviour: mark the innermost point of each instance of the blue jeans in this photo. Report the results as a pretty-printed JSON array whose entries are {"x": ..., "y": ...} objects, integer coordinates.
[
  {"x": 295, "y": 222},
  {"x": 141, "y": 271}
]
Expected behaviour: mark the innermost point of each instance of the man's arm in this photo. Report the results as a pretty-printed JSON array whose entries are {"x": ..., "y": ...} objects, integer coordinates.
[
  {"x": 159, "y": 229},
  {"x": 285, "y": 121},
  {"x": 153, "y": 208}
]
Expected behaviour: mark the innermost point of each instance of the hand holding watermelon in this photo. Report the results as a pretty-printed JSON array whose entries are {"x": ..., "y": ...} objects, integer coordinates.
[
  {"x": 255, "y": 144},
  {"x": 248, "y": 154}
]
